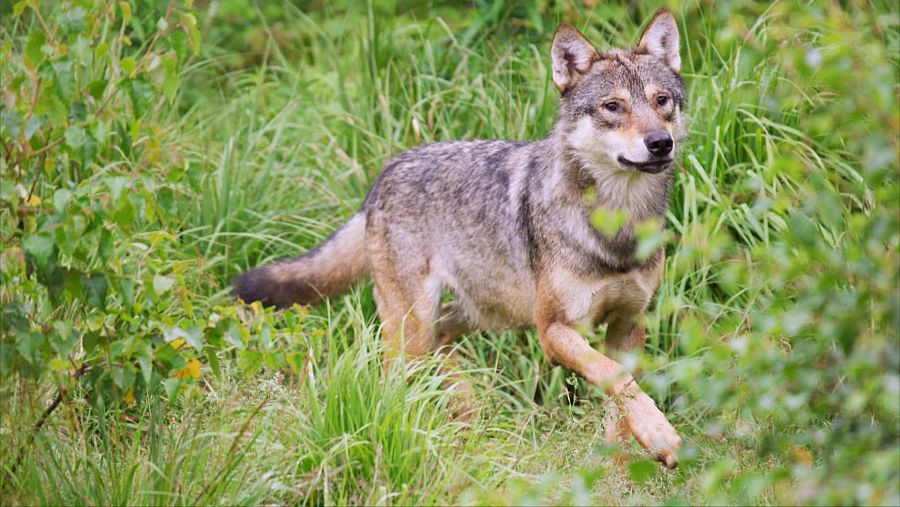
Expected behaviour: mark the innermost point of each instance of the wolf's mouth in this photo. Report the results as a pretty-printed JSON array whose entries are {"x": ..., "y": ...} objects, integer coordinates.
[{"x": 651, "y": 167}]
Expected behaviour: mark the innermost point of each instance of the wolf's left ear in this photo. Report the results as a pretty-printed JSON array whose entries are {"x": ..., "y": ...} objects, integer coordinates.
[
  {"x": 660, "y": 39},
  {"x": 572, "y": 56}
]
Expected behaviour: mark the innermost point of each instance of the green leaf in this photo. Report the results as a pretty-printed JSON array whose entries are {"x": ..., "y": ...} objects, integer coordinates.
[
  {"x": 162, "y": 284},
  {"x": 60, "y": 199},
  {"x": 19, "y": 8},
  {"x": 73, "y": 20},
  {"x": 51, "y": 106},
  {"x": 105, "y": 249},
  {"x": 75, "y": 138},
  {"x": 33, "y": 53},
  {"x": 123, "y": 376},
  {"x": 609, "y": 222},
  {"x": 249, "y": 361},
  {"x": 95, "y": 288},
  {"x": 650, "y": 237},
  {"x": 81, "y": 50},
  {"x": 128, "y": 65},
  {"x": 171, "y": 80},
  {"x": 194, "y": 336},
  {"x": 234, "y": 337},
  {"x": 213, "y": 361},
  {"x": 803, "y": 229},
  {"x": 90, "y": 341},
  {"x": 72, "y": 284},
  {"x": 11, "y": 121},
  {"x": 13, "y": 317},
  {"x": 39, "y": 246},
  {"x": 126, "y": 12},
  {"x": 116, "y": 185},
  {"x": 101, "y": 50},
  {"x": 146, "y": 363},
  {"x": 81, "y": 144},
  {"x": 124, "y": 213},
  {"x": 34, "y": 124},
  {"x": 642, "y": 470},
  {"x": 126, "y": 292},
  {"x": 178, "y": 42},
  {"x": 63, "y": 79},
  {"x": 171, "y": 386},
  {"x": 100, "y": 131},
  {"x": 141, "y": 93},
  {"x": 7, "y": 357},
  {"x": 64, "y": 339},
  {"x": 28, "y": 345}
]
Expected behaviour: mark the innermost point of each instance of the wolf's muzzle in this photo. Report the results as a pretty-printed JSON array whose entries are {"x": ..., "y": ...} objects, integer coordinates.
[{"x": 651, "y": 167}]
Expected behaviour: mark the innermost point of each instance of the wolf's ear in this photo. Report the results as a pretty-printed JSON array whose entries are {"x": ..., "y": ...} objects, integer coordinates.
[
  {"x": 660, "y": 39},
  {"x": 572, "y": 56}
]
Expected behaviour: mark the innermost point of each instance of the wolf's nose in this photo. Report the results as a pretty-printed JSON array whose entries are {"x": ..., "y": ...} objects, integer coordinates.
[{"x": 659, "y": 143}]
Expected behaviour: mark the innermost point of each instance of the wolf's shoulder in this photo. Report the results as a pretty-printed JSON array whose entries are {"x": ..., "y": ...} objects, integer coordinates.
[
  {"x": 455, "y": 168},
  {"x": 453, "y": 150},
  {"x": 448, "y": 161}
]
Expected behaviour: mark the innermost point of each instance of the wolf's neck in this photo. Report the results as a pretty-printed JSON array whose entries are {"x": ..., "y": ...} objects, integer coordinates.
[{"x": 641, "y": 195}]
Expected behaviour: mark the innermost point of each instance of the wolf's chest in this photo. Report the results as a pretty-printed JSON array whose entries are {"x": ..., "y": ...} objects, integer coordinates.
[{"x": 602, "y": 299}]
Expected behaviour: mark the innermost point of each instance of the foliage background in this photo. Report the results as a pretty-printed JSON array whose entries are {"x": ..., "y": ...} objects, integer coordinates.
[{"x": 151, "y": 151}]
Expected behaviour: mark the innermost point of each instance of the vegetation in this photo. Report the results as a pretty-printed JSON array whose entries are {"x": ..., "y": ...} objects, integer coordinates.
[{"x": 152, "y": 151}]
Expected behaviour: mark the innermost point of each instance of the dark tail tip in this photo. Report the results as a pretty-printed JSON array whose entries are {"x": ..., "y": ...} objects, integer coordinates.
[
  {"x": 270, "y": 286},
  {"x": 254, "y": 285}
]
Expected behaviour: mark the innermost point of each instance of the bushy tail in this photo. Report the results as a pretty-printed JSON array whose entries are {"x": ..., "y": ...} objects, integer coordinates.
[{"x": 329, "y": 269}]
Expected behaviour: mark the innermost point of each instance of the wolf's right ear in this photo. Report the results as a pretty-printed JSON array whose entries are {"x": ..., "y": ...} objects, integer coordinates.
[{"x": 572, "y": 56}]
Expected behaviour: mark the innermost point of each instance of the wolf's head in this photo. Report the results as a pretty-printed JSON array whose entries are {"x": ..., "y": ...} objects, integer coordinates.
[{"x": 621, "y": 109}]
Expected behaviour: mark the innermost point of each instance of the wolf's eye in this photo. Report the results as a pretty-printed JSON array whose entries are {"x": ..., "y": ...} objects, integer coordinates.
[
  {"x": 612, "y": 106},
  {"x": 662, "y": 100}
]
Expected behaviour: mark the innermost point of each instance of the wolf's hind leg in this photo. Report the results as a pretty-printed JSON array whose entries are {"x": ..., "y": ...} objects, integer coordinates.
[
  {"x": 451, "y": 325},
  {"x": 407, "y": 312},
  {"x": 407, "y": 303}
]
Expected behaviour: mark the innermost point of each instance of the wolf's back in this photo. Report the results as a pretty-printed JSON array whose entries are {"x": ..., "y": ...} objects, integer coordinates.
[{"x": 327, "y": 270}]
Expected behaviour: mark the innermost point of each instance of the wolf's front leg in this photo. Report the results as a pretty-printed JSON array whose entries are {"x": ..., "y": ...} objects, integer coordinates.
[
  {"x": 643, "y": 418},
  {"x": 624, "y": 336}
]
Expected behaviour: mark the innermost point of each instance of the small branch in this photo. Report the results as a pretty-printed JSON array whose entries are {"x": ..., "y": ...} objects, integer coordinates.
[
  {"x": 84, "y": 368},
  {"x": 34, "y": 97},
  {"x": 155, "y": 38},
  {"x": 37, "y": 174},
  {"x": 102, "y": 15},
  {"x": 7, "y": 149},
  {"x": 37, "y": 12},
  {"x": 38, "y": 152}
]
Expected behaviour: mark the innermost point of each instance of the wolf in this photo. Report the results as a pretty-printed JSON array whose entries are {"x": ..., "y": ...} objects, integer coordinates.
[{"x": 506, "y": 227}]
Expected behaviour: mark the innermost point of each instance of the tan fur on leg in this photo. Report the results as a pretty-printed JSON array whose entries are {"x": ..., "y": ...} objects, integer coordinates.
[
  {"x": 644, "y": 420},
  {"x": 450, "y": 326},
  {"x": 622, "y": 337},
  {"x": 405, "y": 306}
]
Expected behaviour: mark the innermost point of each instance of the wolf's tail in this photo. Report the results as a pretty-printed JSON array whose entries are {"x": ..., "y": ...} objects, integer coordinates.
[{"x": 329, "y": 269}]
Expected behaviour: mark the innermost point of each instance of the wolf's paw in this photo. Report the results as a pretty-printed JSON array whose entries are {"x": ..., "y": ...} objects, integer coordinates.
[{"x": 651, "y": 428}]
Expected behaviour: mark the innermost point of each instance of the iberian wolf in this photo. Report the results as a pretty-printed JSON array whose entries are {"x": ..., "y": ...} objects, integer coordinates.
[{"x": 506, "y": 227}]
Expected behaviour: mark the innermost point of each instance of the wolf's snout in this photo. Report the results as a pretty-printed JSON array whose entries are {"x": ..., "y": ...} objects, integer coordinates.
[{"x": 659, "y": 143}]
